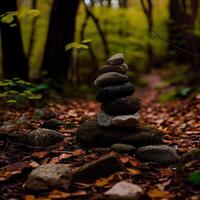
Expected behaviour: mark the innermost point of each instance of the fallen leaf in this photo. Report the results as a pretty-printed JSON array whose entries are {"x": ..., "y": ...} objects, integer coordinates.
[
  {"x": 157, "y": 193},
  {"x": 134, "y": 162},
  {"x": 16, "y": 168},
  {"x": 65, "y": 156},
  {"x": 29, "y": 197},
  {"x": 57, "y": 194},
  {"x": 78, "y": 152},
  {"x": 40, "y": 154},
  {"x": 124, "y": 158},
  {"x": 134, "y": 171}
]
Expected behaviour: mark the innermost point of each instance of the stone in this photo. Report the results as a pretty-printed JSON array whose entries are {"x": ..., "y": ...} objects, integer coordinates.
[
  {"x": 110, "y": 78},
  {"x": 124, "y": 190},
  {"x": 162, "y": 154},
  {"x": 123, "y": 148},
  {"x": 104, "y": 120},
  {"x": 43, "y": 113},
  {"x": 126, "y": 120},
  {"x": 52, "y": 123},
  {"x": 49, "y": 176},
  {"x": 43, "y": 137},
  {"x": 102, "y": 167},
  {"x": 91, "y": 134},
  {"x": 111, "y": 93},
  {"x": 123, "y": 68},
  {"x": 191, "y": 155},
  {"x": 122, "y": 106},
  {"x": 116, "y": 59}
]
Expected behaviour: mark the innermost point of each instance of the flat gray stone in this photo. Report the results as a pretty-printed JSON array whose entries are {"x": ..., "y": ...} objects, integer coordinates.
[
  {"x": 123, "y": 68},
  {"x": 162, "y": 154},
  {"x": 104, "y": 120},
  {"x": 123, "y": 148},
  {"x": 112, "y": 93},
  {"x": 103, "y": 167},
  {"x": 49, "y": 176},
  {"x": 124, "y": 190},
  {"x": 122, "y": 106},
  {"x": 116, "y": 59},
  {"x": 91, "y": 134},
  {"x": 43, "y": 137},
  {"x": 110, "y": 78},
  {"x": 126, "y": 120}
]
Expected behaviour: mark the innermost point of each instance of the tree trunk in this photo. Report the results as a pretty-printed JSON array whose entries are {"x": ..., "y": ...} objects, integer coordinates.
[
  {"x": 31, "y": 42},
  {"x": 61, "y": 32},
  {"x": 14, "y": 61},
  {"x": 123, "y": 3},
  {"x": 181, "y": 31}
]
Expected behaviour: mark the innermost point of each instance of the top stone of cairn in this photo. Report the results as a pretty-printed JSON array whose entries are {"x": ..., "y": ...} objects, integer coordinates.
[{"x": 116, "y": 59}]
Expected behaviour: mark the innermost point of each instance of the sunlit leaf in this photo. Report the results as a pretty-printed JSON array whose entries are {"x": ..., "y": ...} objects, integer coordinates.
[{"x": 86, "y": 41}]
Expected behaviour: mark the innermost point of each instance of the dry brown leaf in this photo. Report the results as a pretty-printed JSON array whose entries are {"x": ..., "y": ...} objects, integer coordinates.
[
  {"x": 16, "y": 168},
  {"x": 65, "y": 156},
  {"x": 40, "y": 154},
  {"x": 124, "y": 158},
  {"x": 78, "y": 152},
  {"x": 29, "y": 197},
  {"x": 134, "y": 171},
  {"x": 157, "y": 193},
  {"x": 134, "y": 162}
]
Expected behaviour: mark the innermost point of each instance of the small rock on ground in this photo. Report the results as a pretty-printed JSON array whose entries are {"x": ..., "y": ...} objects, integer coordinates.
[
  {"x": 124, "y": 191},
  {"x": 123, "y": 148},
  {"x": 102, "y": 167},
  {"x": 162, "y": 154},
  {"x": 43, "y": 137},
  {"x": 49, "y": 176}
]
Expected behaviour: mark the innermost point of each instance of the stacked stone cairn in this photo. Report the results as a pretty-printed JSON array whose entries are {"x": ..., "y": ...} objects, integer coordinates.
[
  {"x": 118, "y": 120},
  {"x": 118, "y": 109}
]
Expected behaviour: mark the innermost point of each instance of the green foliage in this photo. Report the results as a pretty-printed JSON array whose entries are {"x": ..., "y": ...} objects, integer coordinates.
[
  {"x": 194, "y": 178},
  {"x": 8, "y": 17},
  {"x": 173, "y": 94},
  {"x": 78, "y": 46},
  {"x": 18, "y": 93},
  {"x": 75, "y": 45}
]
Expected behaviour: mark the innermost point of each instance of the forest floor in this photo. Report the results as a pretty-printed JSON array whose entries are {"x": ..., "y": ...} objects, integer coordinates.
[{"x": 179, "y": 120}]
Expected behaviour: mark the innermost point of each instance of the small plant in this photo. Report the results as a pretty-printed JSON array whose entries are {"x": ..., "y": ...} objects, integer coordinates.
[{"x": 18, "y": 93}]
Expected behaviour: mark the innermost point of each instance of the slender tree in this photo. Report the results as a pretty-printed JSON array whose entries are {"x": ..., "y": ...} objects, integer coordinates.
[
  {"x": 33, "y": 29},
  {"x": 56, "y": 60},
  {"x": 147, "y": 7},
  {"x": 14, "y": 61}
]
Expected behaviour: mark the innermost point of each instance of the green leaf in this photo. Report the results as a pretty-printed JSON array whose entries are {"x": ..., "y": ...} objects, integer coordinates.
[
  {"x": 86, "y": 41},
  {"x": 194, "y": 178},
  {"x": 75, "y": 45},
  {"x": 183, "y": 92},
  {"x": 12, "y": 101},
  {"x": 34, "y": 12},
  {"x": 9, "y": 17}
]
